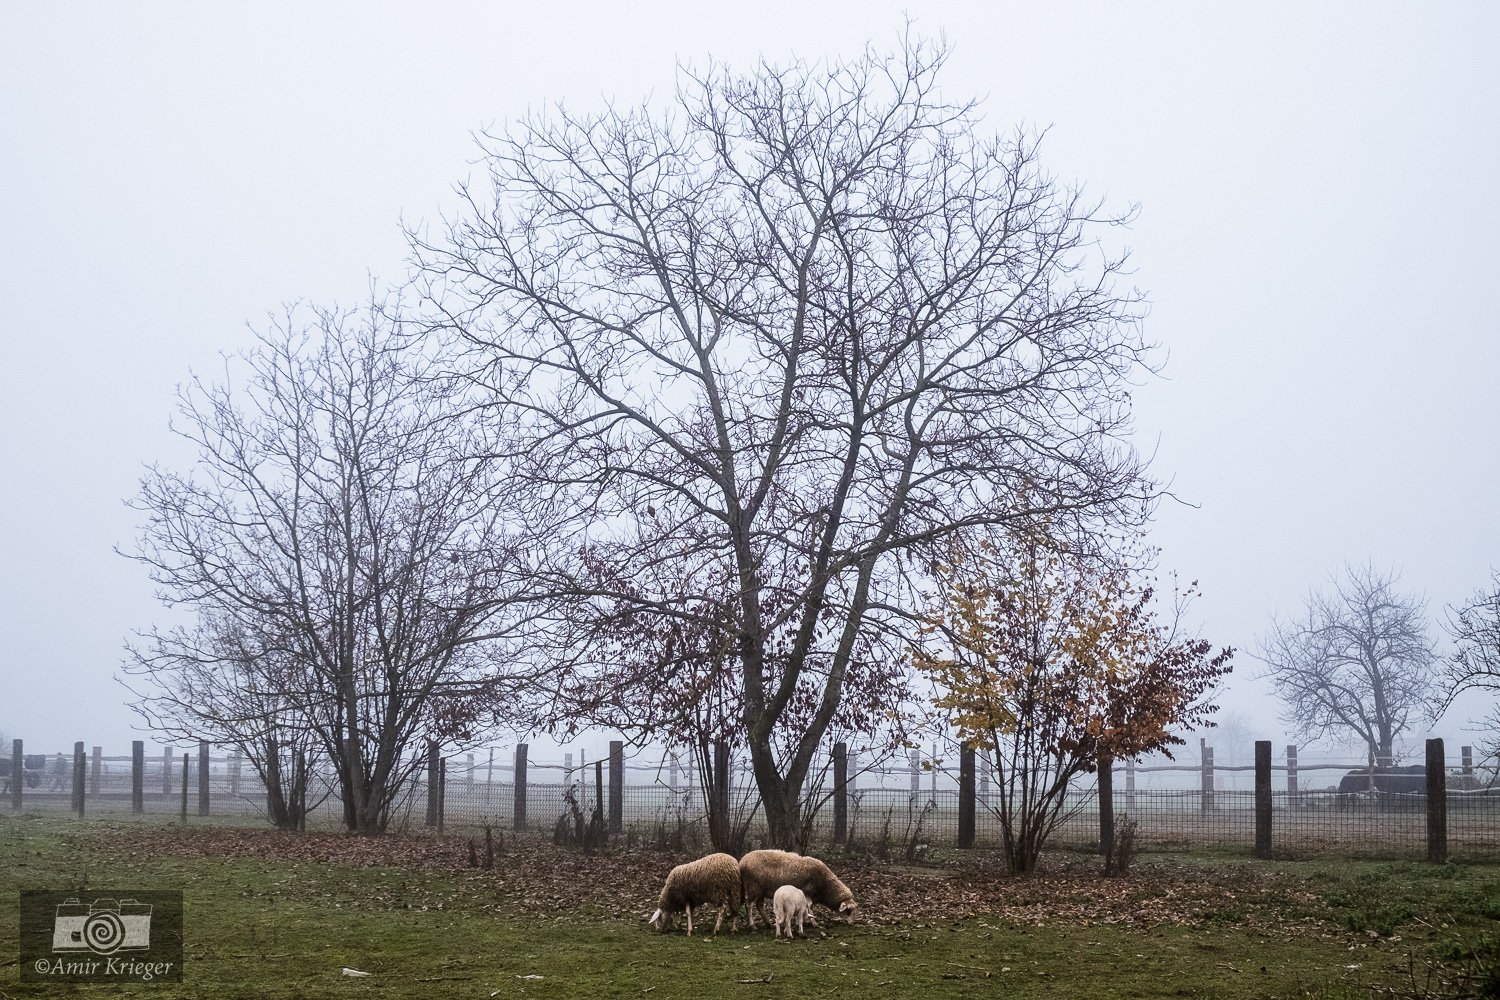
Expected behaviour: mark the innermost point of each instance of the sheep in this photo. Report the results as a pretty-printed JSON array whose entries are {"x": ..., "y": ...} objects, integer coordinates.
[
  {"x": 763, "y": 872},
  {"x": 714, "y": 879},
  {"x": 791, "y": 904}
]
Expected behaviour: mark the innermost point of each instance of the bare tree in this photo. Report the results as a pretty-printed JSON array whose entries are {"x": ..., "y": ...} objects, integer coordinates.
[
  {"x": 220, "y": 680},
  {"x": 1359, "y": 661},
  {"x": 807, "y": 325},
  {"x": 338, "y": 551},
  {"x": 673, "y": 678},
  {"x": 1474, "y": 664}
]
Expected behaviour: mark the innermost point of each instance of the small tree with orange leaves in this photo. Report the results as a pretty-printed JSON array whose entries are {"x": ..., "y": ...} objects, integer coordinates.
[{"x": 1051, "y": 663}]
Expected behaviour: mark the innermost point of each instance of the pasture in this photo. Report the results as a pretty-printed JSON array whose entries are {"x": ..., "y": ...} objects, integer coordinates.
[{"x": 277, "y": 915}]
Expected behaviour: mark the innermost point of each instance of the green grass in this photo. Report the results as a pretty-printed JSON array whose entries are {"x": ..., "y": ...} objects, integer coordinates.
[{"x": 261, "y": 927}]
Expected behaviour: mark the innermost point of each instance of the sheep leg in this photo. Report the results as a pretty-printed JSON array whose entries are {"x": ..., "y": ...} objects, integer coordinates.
[
  {"x": 720, "y": 922},
  {"x": 690, "y": 919}
]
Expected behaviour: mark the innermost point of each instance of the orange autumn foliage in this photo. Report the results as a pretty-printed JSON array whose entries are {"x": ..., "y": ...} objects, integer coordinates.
[{"x": 1052, "y": 663}]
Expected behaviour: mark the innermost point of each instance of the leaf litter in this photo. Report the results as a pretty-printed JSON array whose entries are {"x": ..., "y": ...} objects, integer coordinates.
[{"x": 539, "y": 879}]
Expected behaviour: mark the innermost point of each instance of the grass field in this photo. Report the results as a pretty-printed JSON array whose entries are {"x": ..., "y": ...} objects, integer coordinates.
[{"x": 273, "y": 915}]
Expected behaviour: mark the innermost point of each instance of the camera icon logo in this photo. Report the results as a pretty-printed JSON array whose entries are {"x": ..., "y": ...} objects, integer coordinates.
[{"x": 103, "y": 927}]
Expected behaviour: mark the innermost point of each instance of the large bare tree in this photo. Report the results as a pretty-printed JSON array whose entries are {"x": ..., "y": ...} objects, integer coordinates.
[
  {"x": 674, "y": 679},
  {"x": 1359, "y": 661},
  {"x": 337, "y": 552},
  {"x": 805, "y": 323}
]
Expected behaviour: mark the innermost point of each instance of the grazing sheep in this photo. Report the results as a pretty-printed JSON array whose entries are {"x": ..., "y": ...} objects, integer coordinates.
[
  {"x": 763, "y": 872},
  {"x": 714, "y": 879},
  {"x": 791, "y": 904}
]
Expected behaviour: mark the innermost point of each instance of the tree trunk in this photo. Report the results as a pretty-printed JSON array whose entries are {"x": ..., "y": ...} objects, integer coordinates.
[{"x": 783, "y": 806}]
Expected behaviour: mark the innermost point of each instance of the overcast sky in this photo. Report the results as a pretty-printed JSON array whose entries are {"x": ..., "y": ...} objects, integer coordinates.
[{"x": 1319, "y": 236}]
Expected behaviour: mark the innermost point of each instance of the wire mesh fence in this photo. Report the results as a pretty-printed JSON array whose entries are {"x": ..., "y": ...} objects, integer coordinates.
[{"x": 1317, "y": 806}]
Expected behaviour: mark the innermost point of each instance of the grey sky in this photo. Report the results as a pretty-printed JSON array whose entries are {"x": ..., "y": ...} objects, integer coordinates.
[{"x": 1318, "y": 236}]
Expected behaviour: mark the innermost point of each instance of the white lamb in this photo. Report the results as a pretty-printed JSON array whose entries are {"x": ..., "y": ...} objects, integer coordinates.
[
  {"x": 714, "y": 879},
  {"x": 791, "y": 903}
]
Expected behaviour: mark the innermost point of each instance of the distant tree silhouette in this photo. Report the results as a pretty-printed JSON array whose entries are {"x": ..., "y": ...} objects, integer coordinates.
[{"x": 1359, "y": 661}]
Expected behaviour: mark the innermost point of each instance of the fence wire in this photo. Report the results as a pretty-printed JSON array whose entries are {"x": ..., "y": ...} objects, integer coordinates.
[{"x": 913, "y": 806}]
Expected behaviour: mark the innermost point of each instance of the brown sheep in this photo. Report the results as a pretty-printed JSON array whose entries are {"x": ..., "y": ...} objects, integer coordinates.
[
  {"x": 714, "y": 879},
  {"x": 763, "y": 872}
]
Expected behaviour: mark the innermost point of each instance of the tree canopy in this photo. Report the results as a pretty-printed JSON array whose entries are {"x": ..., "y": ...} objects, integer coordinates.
[
  {"x": 1359, "y": 661},
  {"x": 339, "y": 550},
  {"x": 804, "y": 326},
  {"x": 1054, "y": 663}
]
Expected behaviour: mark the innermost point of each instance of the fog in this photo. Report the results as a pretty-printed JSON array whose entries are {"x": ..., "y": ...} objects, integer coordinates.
[{"x": 1317, "y": 237}]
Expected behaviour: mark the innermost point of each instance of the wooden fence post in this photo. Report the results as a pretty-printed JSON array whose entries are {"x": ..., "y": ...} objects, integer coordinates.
[
  {"x": 916, "y": 776},
  {"x": 1208, "y": 778},
  {"x": 78, "y": 767},
  {"x": 966, "y": 788},
  {"x": 599, "y": 786},
  {"x": 672, "y": 772},
  {"x": 203, "y": 776},
  {"x": 299, "y": 789},
  {"x": 840, "y": 792},
  {"x": 469, "y": 769},
  {"x": 1130, "y": 785},
  {"x": 1466, "y": 760},
  {"x": 434, "y": 780},
  {"x": 1291, "y": 774},
  {"x": 982, "y": 796},
  {"x": 137, "y": 776},
  {"x": 616, "y": 786},
  {"x": 442, "y": 796},
  {"x": 96, "y": 772},
  {"x": 1106, "y": 805},
  {"x": 166, "y": 773},
  {"x": 721, "y": 784},
  {"x": 234, "y": 774},
  {"x": 518, "y": 812},
  {"x": 17, "y": 773},
  {"x": 186, "y": 757},
  {"x": 1263, "y": 799},
  {"x": 1437, "y": 803},
  {"x": 273, "y": 774}
]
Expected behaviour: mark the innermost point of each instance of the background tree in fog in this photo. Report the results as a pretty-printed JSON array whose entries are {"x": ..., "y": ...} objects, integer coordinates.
[
  {"x": 1474, "y": 664},
  {"x": 1358, "y": 661},
  {"x": 807, "y": 324},
  {"x": 337, "y": 554}
]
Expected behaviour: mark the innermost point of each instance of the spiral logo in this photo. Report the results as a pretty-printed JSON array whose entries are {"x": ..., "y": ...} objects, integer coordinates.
[{"x": 104, "y": 932}]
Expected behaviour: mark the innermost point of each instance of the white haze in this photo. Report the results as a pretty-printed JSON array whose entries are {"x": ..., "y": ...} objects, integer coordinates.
[{"x": 1317, "y": 236}]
